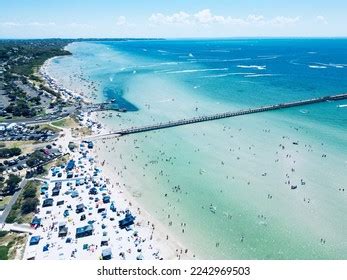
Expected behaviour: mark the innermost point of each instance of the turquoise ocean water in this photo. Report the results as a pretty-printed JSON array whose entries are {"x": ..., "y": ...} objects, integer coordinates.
[{"x": 224, "y": 187}]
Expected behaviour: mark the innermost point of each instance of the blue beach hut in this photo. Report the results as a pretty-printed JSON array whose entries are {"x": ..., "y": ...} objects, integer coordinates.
[{"x": 34, "y": 240}]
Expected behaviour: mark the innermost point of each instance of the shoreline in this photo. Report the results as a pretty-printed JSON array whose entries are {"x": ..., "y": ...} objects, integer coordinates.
[
  {"x": 162, "y": 232},
  {"x": 54, "y": 84},
  {"x": 164, "y": 240},
  {"x": 171, "y": 245}
]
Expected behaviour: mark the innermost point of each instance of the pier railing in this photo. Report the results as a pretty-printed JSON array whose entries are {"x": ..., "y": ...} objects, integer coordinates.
[{"x": 181, "y": 122}]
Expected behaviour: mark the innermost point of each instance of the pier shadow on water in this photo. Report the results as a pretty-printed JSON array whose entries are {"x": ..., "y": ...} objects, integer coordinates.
[{"x": 117, "y": 94}]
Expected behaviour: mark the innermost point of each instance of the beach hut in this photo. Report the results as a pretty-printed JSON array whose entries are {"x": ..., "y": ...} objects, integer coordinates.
[
  {"x": 34, "y": 240},
  {"x": 55, "y": 191},
  {"x": 106, "y": 199},
  {"x": 60, "y": 202},
  {"x": 80, "y": 208},
  {"x": 74, "y": 194},
  {"x": 69, "y": 174},
  {"x": 101, "y": 210},
  {"x": 104, "y": 242},
  {"x": 62, "y": 230},
  {"x": 61, "y": 225},
  {"x": 93, "y": 191},
  {"x": 47, "y": 202},
  {"x": 127, "y": 221},
  {"x": 113, "y": 207},
  {"x": 70, "y": 165},
  {"x": 84, "y": 231},
  {"x": 36, "y": 222},
  {"x": 106, "y": 254},
  {"x": 44, "y": 188},
  {"x": 66, "y": 213},
  {"x": 90, "y": 145}
]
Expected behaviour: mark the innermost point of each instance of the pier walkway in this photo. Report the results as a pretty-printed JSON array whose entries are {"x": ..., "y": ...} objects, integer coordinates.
[
  {"x": 163, "y": 125},
  {"x": 97, "y": 107}
]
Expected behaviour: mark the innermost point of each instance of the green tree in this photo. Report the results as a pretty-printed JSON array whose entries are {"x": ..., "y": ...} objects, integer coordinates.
[
  {"x": 7, "y": 153},
  {"x": 29, "y": 205},
  {"x": 29, "y": 191},
  {"x": 11, "y": 184}
]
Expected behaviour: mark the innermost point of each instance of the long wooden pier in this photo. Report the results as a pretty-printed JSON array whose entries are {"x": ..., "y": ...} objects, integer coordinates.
[{"x": 169, "y": 124}]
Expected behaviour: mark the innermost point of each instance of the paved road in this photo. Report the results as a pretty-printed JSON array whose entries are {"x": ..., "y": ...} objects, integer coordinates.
[
  {"x": 12, "y": 201},
  {"x": 18, "y": 228},
  {"x": 37, "y": 120}
]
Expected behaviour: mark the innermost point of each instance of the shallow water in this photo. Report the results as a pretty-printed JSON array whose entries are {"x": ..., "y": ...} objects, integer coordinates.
[{"x": 225, "y": 183}]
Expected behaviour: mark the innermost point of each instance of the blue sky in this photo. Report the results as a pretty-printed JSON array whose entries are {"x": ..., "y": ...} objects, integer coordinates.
[{"x": 178, "y": 18}]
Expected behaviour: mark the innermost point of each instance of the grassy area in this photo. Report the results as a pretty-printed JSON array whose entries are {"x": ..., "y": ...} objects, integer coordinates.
[
  {"x": 49, "y": 127},
  {"x": 4, "y": 252},
  {"x": 77, "y": 130},
  {"x": 81, "y": 131},
  {"x": 17, "y": 213},
  {"x": 66, "y": 123},
  {"x": 25, "y": 146},
  {"x": 11, "y": 245},
  {"x": 4, "y": 201}
]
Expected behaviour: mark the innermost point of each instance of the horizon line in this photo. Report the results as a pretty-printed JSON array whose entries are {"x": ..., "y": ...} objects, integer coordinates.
[{"x": 175, "y": 38}]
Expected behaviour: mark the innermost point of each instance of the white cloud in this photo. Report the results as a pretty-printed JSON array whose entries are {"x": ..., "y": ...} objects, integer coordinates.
[
  {"x": 77, "y": 25},
  {"x": 21, "y": 24},
  {"x": 176, "y": 18},
  {"x": 206, "y": 17},
  {"x": 322, "y": 19},
  {"x": 121, "y": 20},
  {"x": 284, "y": 21},
  {"x": 255, "y": 19},
  {"x": 10, "y": 23}
]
